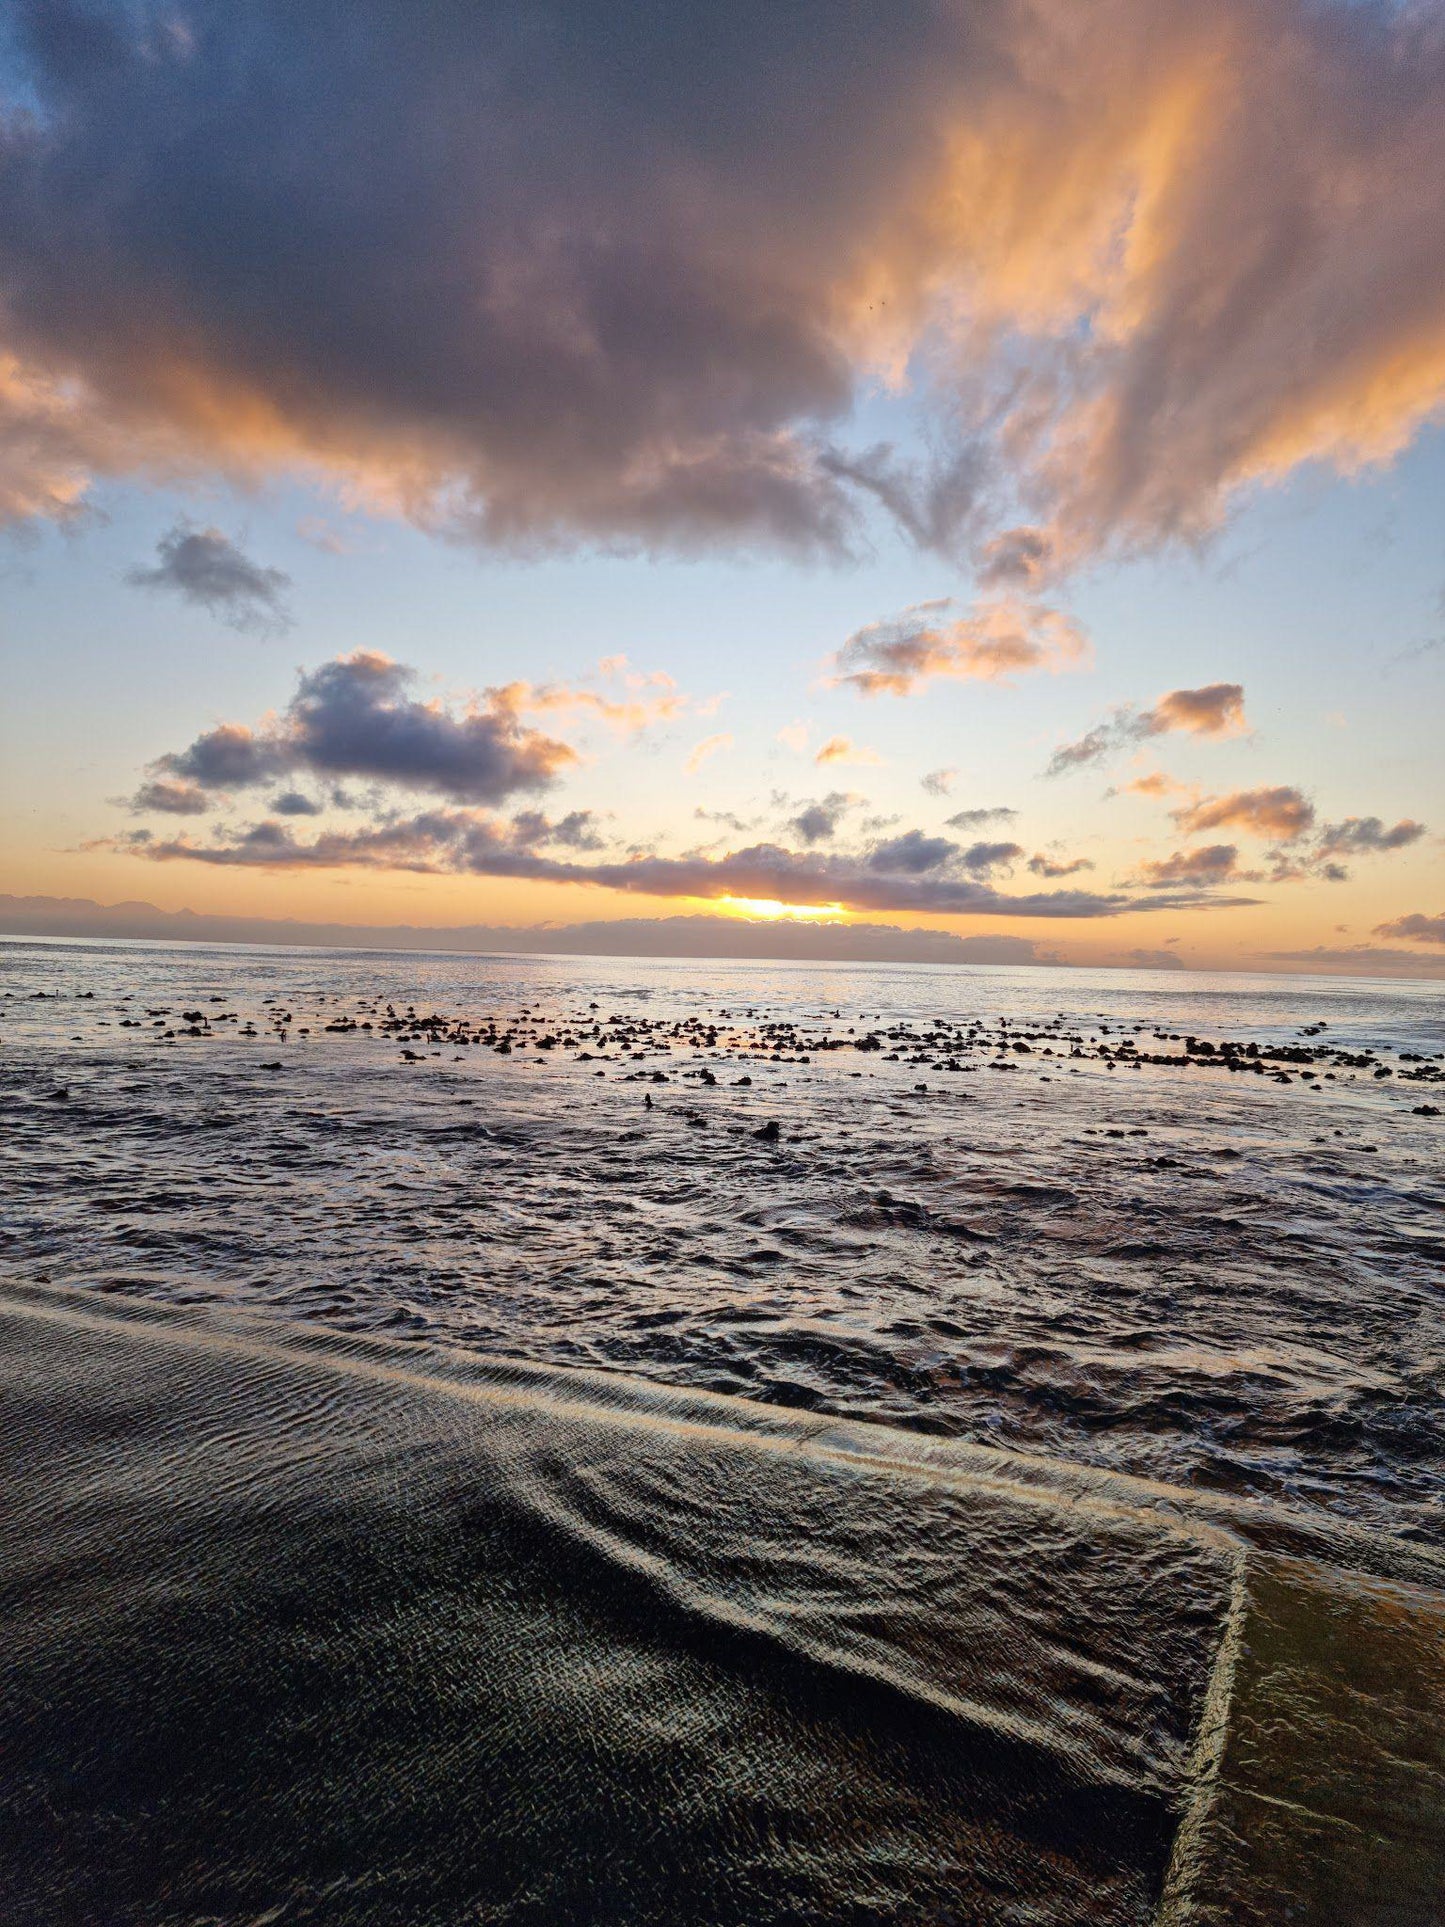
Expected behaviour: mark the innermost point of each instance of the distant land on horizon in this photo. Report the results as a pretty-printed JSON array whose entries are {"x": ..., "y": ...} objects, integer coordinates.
[{"x": 699, "y": 937}]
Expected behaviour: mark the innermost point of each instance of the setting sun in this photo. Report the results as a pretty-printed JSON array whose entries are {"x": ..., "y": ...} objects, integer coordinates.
[{"x": 770, "y": 909}]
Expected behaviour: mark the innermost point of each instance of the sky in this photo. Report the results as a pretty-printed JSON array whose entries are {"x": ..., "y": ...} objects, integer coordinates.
[{"x": 974, "y": 469}]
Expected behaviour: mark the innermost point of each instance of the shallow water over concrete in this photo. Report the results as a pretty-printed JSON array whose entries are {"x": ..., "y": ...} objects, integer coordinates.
[{"x": 320, "y": 1629}]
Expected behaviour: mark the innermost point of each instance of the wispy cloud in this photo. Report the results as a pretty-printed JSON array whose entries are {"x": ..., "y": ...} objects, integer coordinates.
[
  {"x": 709, "y": 746},
  {"x": 1153, "y": 783},
  {"x": 204, "y": 567},
  {"x": 939, "y": 782},
  {"x": 630, "y": 702},
  {"x": 842, "y": 749},
  {"x": 1215, "y": 710},
  {"x": 1043, "y": 865},
  {"x": 994, "y": 642},
  {"x": 975, "y": 819},
  {"x": 1368, "y": 836}
]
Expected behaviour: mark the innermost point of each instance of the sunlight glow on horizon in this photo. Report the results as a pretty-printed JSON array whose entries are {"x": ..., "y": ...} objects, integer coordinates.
[{"x": 769, "y": 909}]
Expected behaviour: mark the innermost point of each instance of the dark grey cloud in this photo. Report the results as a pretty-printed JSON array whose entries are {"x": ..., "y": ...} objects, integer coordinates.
[
  {"x": 293, "y": 803},
  {"x": 228, "y": 757},
  {"x": 1043, "y": 865},
  {"x": 532, "y": 272},
  {"x": 1368, "y": 836},
  {"x": 915, "y": 853},
  {"x": 980, "y": 858},
  {"x": 1422, "y": 928},
  {"x": 556, "y": 271},
  {"x": 468, "y": 842},
  {"x": 205, "y": 568},
  {"x": 577, "y": 830},
  {"x": 1092, "y": 747},
  {"x": 356, "y": 716},
  {"x": 171, "y": 799},
  {"x": 1205, "y": 868},
  {"x": 975, "y": 819},
  {"x": 912, "y": 854},
  {"x": 726, "y": 819},
  {"x": 818, "y": 822}
]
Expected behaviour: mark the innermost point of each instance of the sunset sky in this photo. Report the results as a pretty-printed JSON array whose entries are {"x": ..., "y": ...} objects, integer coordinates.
[{"x": 972, "y": 467}]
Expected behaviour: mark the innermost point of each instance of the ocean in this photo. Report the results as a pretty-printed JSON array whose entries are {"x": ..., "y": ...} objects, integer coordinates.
[{"x": 969, "y": 1203}]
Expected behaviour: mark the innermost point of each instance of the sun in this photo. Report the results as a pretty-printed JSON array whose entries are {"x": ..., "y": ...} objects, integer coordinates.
[{"x": 770, "y": 909}]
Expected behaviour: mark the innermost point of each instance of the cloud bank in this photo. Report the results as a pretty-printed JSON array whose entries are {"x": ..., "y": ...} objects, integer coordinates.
[
  {"x": 681, "y": 936},
  {"x": 552, "y": 273},
  {"x": 909, "y": 873}
]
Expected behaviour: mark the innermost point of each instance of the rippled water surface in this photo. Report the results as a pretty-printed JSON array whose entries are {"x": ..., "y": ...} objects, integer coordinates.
[{"x": 1223, "y": 1269}]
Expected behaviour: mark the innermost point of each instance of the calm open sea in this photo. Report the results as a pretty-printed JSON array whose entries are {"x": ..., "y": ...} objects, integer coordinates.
[{"x": 1222, "y": 1270}]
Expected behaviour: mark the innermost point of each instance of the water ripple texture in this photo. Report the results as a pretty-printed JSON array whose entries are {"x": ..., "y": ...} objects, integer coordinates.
[{"x": 1190, "y": 1228}]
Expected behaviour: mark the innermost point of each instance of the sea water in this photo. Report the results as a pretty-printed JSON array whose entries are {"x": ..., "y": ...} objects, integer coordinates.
[{"x": 1112, "y": 1246}]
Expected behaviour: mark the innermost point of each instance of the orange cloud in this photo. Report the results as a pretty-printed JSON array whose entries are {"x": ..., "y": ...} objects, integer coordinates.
[
  {"x": 1282, "y": 814},
  {"x": 995, "y": 641},
  {"x": 1215, "y": 710},
  {"x": 842, "y": 749},
  {"x": 709, "y": 746},
  {"x": 1192, "y": 247},
  {"x": 1204, "y": 868},
  {"x": 1140, "y": 257},
  {"x": 1154, "y": 783}
]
